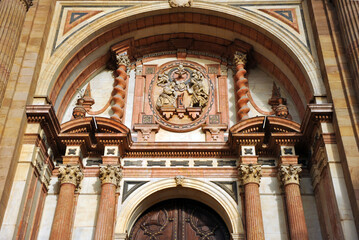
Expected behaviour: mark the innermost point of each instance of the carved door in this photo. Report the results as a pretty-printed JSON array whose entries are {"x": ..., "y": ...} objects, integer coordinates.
[{"x": 179, "y": 219}]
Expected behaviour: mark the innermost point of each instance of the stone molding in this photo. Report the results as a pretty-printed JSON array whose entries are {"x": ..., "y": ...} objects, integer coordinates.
[
  {"x": 289, "y": 174},
  {"x": 250, "y": 173},
  {"x": 71, "y": 174},
  {"x": 110, "y": 174}
]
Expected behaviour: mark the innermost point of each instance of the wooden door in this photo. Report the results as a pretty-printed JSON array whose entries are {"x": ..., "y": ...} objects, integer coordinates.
[{"x": 179, "y": 219}]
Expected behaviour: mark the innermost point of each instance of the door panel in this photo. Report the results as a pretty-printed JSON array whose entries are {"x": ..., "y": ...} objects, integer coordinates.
[{"x": 179, "y": 219}]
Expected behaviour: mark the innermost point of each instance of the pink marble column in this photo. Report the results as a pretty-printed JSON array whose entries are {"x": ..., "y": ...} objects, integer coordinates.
[
  {"x": 289, "y": 175},
  {"x": 70, "y": 178},
  {"x": 110, "y": 177},
  {"x": 250, "y": 175}
]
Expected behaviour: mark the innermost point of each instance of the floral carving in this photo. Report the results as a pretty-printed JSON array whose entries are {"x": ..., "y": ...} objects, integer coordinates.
[
  {"x": 110, "y": 174},
  {"x": 289, "y": 174},
  {"x": 250, "y": 173},
  {"x": 71, "y": 174}
]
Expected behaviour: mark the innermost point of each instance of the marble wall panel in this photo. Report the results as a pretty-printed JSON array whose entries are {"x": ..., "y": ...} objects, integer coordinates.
[
  {"x": 47, "y": 217},
  {"x": 311, "y": 217}
]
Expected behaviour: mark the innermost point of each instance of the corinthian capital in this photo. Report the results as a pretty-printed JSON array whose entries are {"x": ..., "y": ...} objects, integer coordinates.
[
  {"x": 70, "y": 174},
  {"x": 289, "y": 174},
  {"x": 122, "y": 60},
  {"x": 110, "y": 174},
  {"x": 240, "y": 58},
  {"x": 250, "y": 173}
]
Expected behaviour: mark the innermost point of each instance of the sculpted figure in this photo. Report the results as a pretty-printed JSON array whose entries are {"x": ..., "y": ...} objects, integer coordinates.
[
  {"x": 199, "y": 94},
  {"x": 163, "y": 80},
  {"x": 167, "y": 97}
]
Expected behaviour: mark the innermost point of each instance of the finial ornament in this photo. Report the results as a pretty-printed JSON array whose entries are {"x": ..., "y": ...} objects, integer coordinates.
[
  {"x": 110, "y": 174},
  {"x": 180, "y": 3},
  {"x": 122, "y": 60},
  {"x": 250, "y": 173},
  {"x": 240, "y": 58},
  {"x": 289, "y": 174},
  {"x": 71, "y": 174}
]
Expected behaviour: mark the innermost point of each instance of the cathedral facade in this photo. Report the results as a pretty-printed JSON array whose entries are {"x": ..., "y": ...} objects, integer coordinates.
[{"x": 179, "y": 119}]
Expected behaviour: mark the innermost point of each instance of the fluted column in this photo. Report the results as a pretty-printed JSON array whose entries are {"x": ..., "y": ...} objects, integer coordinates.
[
  {"x": 12, "y": 16},
  {"x": 289, "y": 175},
  {"x": 70, "y": 178},
  {"x": 110, "y": 177},
  {"x": 119, "y": 89},
  {"x": 250, "y": 175},
  {"x": 242, "y": 89}
]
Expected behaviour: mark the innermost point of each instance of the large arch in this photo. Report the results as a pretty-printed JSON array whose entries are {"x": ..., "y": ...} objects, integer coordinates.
[
  {"x": 294, "y": 48},
  {"x": 153, "y": 192}
]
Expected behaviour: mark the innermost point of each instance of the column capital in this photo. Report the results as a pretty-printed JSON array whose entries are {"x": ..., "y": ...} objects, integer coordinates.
[
  {"x": 122, "y": 60},
  {"x": 70, "y": 174},
  {"x": 240, "y": 58},
  {"x": 110, "y": 174},
  {"x": 289, "y": 174},
  {"x": 250, "y": 173}
]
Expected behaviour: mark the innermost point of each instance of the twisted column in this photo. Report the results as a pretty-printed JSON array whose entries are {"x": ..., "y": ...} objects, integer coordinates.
[
  {"x": 110, "y": 177},
  {"x": 12, "y": 16},
  {"x": 70, "y": 178},
  {"x": 119, "y": 90},
  {"x": 240, "y": 60},
  {"x": 250, "y": 175},
  {"x": 289, "y": 175}
]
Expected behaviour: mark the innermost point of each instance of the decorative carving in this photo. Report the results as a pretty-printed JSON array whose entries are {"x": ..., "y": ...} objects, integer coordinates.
[
  {"x": 79, "y": 111},
  {"x": 110, "y": 174},
  {"x": 146, "y": 132},
  {"x": 240, "y": 59},
  {"x": 181, "y": 93},
  {"x": 180, "y": 3},
  {"x": 70, "y": 174},
  {"x": 119, "y": 90},
  {"x": 250, "y": 173},
  {"x": 279, "y": 104},
  {"x": 179, "y": 181},
  {"x": 289, "y": 174},
  {"x": 215, "y": 132},
  {"x": 27, "y": 3}
]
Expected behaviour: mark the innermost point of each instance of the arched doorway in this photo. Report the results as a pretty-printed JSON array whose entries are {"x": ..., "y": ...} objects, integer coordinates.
[{"x": 181, "y": 219}]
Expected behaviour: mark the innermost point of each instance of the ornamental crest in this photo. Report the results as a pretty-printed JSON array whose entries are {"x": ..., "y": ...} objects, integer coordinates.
[{"x": 181, "y": 95}]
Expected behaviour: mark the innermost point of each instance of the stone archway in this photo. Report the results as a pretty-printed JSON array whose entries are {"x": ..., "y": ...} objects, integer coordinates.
[{"x": 207, "y": 193}]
